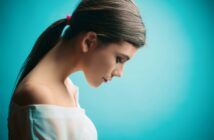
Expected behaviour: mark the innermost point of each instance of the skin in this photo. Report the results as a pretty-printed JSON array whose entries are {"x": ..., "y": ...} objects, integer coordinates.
[
  {"x": 102, "y": 63},
  {"x": 83, "y": 53},
  {"x": 107, "y": 62}
]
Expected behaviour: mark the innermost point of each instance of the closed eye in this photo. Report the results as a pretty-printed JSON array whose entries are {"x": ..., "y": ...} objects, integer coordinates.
[{"x": 119, "y": 60}]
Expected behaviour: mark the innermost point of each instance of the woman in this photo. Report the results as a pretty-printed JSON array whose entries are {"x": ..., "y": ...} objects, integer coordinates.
[{"x": 101, "y": 36}]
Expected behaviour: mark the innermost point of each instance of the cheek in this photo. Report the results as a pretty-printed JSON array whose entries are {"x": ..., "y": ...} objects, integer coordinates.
[
  {"x": 102, "y": 64},
  {"x": 97, "y": 66}
]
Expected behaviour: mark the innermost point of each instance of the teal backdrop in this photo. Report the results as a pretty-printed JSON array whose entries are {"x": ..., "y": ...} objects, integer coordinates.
[{"x": 166, "y": 91}]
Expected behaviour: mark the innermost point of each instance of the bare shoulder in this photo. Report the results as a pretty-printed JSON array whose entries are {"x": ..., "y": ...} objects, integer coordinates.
[{"x": 32, "y": 94}]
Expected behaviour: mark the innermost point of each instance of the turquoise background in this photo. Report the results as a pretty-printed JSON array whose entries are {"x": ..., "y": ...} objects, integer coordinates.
[{"x": 166, "y": 92}]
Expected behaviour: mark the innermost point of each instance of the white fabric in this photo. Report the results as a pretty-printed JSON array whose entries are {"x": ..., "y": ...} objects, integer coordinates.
[{"x": 50, "y": 122}]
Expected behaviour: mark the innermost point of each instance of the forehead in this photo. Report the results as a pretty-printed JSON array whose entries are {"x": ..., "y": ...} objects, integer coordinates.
[{"x": 124, "y": 48}]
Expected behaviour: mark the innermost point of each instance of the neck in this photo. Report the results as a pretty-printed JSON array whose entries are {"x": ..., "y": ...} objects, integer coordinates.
[{"x": 58, "y": 63}]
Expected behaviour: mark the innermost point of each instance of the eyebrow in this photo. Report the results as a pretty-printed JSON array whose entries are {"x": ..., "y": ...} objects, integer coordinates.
[{"x": 126, "y": 56}]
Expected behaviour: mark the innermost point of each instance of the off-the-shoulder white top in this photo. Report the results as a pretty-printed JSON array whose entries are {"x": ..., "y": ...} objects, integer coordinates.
[{"x": 50, "y": 122}]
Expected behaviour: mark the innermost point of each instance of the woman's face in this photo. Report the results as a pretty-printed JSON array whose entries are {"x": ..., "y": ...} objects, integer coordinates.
[{"x": 103, "y": 63}]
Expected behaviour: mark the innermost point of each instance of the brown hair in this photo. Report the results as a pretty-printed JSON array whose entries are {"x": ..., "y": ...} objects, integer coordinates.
[{"x": 113, "y": 21}]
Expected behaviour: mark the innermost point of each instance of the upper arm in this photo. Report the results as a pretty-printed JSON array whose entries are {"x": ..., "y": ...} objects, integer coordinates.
[{"x": 31, "y": 94}]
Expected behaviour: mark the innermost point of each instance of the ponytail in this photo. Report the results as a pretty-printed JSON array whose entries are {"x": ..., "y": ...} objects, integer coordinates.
[{"x": 46, "y": 41}]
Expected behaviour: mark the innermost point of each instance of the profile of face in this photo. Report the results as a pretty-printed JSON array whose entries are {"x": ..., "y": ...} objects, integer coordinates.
[{"x": 102, "y": 63}]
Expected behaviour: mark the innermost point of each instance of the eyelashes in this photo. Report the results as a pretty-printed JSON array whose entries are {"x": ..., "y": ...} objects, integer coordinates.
[{"x": 119, "y": 60}]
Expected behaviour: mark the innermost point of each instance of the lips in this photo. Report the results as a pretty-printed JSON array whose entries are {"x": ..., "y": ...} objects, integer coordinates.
[{"x": 105, "y": 80}]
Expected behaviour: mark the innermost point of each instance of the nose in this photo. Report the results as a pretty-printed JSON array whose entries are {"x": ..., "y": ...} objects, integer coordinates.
[{"x": 118, "y": 71}]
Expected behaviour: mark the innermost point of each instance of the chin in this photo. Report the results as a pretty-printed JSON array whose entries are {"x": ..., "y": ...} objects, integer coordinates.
[
  {"x": 94, "y": 85},
  {"x": 92, "y": 81}
]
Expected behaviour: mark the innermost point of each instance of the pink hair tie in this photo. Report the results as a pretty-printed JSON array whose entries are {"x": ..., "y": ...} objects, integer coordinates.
[{"x": 68, "y": 19}]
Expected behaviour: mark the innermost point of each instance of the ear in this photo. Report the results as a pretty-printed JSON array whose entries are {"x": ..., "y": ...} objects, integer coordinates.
[{"x": 89, "y": 42}]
